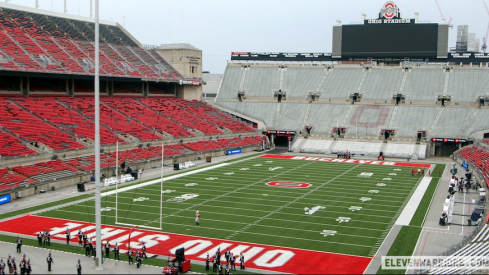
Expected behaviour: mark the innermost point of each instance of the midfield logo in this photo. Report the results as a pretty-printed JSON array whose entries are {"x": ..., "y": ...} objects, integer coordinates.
[
  {"x": 326, "y": 233},
  {"x": 343, "y": 219},
  {"x": 364, "y": 199},
  {"x": 355, "y": 208}
]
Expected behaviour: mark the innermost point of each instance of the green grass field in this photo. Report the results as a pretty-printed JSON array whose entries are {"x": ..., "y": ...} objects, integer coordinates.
[{"x": 236, "y": 204}]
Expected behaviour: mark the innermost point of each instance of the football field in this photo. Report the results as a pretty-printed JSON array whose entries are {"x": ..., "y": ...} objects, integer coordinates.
[{"x": 282, "y": 201}]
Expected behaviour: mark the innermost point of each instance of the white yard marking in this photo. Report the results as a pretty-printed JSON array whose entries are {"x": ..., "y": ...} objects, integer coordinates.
[
  {"x": 191, "y": 184},
  {"x": 365, "y": 175},
  {"x": 374, "y": 191},
  {"x": 326, "y": 233},
  {"x": 381, "y": 184},
  {"x": 364, "y": 199},
  {"x": 140, "y": 199},
  {"x": 183, "y": 197},
  {"x": 355, "y": 208},
  {"x": 310, "y": 211},
  {"x": 343, "y": 219}
]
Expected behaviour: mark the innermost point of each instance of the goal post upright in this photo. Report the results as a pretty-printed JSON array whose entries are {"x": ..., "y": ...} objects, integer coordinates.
[{"x": 161, "y": 183}]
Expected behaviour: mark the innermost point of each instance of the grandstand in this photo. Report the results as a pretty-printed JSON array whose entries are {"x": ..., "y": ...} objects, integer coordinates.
[{"x": 47, "y": 127}]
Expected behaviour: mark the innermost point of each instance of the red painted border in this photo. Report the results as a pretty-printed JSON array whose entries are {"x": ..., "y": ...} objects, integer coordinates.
[
  {"x": 265, "y": 257},
  {"x": 354, "y": 161}
]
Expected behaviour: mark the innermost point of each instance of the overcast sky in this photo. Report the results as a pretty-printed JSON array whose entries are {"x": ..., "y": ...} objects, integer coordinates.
[{"x": 218, "y": 27}]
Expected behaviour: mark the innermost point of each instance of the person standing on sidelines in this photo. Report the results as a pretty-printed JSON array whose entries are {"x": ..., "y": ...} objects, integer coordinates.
[
  {"x": 207, "y": 262},
  {"x": 22, "y": 267},
  {"x": 116, "y": 251},
  {"x": 107, "y": 249},
  {"x": 143, "y": 251},
  {"x": 39, "y": 238},
  {"x": 68, "y": 236},
  {"x": 48, "y": 237},
  {"x": 129, "y": 256},
  {"x": 78, "y": 267},
  {"x": 80, "y": 237},
  {"x": 233, "y": 262},
  {"x": 138, "y": 260},
  {"x": 214, "y": 264},
  {"x": 19, "y": 245},
  {"x": 28, "y": 267},
  {"x": 50, "y": 261},
  {"x": 2, "y": 267},
  {"x": 241, "y": 261}
]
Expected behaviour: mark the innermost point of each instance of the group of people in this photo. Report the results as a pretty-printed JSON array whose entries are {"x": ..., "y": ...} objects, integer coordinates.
[
  {"x": 230, "y": 262},
  {"x": 461, "y": 184},
  {"x": 24, "y": 266},
  {"x": 417, "y": 172},
  {"x": 44, "y": 237},
  {"x": 139, "y": 254}
]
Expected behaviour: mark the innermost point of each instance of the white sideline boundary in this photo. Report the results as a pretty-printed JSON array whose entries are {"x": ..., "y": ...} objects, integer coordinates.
[
  {"x": 164, "y": 179},
  {"x": 413, "y": 203}
]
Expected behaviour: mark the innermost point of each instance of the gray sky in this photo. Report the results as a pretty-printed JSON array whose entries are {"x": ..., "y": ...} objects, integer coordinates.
[{"x": 218, "y": 27}]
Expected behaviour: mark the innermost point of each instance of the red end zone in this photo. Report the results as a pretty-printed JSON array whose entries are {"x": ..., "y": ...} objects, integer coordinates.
[
  {"x": 266, "y": 257},
  {"x": 354, "y": 161}
]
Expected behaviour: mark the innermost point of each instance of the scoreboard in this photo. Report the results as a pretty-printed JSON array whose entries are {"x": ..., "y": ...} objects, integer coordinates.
[{"x": 390, "y": 36}]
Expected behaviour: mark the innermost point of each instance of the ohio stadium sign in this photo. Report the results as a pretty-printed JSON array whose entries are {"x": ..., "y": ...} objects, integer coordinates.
[{"x": 389, "y": 13}]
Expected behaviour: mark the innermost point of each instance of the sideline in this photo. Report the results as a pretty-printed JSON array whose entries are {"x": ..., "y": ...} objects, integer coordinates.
[{"x": 413, "y": 203}]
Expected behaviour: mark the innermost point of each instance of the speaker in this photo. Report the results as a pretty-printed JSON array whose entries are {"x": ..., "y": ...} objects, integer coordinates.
[
  {"x": 468, "y": 176},
  {"x": 176, "y": 166},
  {"x": 55, "y": 157}
]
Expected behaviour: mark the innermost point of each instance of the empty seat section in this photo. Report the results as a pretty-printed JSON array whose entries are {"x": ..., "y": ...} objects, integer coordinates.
[
  {"x": 12, "y": 146},
  {"x": 111, "y": 118},
  {"x": 33, "y": 129},
  {"x": 169, "y": 109},
  {"x": 70, "y": 121},
  {"x": 149, "y": 117}
]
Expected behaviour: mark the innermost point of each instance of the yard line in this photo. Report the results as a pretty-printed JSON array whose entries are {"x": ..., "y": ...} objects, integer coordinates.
[
  {"x": 289, "y": 203},
  {"x": 231, "y": 192}
]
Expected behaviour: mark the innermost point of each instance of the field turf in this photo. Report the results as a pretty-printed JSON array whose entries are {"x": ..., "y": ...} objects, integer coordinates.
[{"x": 346, "y": 213}]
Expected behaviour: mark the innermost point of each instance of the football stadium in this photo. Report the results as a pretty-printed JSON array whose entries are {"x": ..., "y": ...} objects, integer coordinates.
[{"x": 370, "y": 159}]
